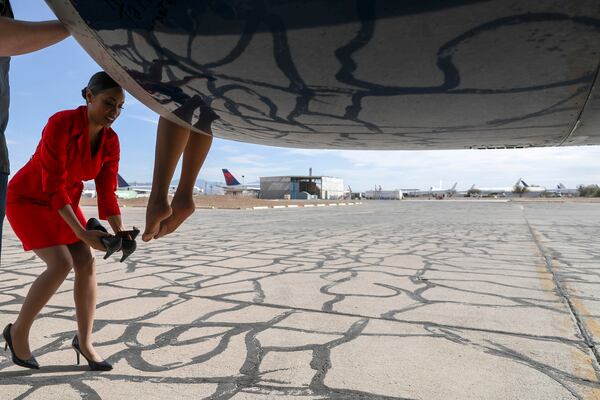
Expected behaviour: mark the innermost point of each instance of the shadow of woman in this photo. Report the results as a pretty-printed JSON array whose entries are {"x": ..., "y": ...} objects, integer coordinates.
[{"x": 52, "y": 369}]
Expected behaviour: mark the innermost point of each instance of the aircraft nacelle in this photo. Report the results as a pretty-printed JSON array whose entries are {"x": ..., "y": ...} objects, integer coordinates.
[{"x": 380, "y": 74}]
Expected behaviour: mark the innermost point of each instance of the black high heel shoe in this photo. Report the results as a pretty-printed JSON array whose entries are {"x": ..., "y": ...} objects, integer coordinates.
[
  {"x": 112, "y": 243},
  {"x": 128, "y": 242},
  {"x": 31, "y": 363},
  {"x": 94, "y": 365}
]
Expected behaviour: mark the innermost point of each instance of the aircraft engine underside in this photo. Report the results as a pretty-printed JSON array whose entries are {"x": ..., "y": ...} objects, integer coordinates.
[{"x": 379, "y": 74}]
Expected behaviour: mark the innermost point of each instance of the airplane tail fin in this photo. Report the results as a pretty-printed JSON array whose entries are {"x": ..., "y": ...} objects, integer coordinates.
[
  {"x": 229, "y": 178},
  {"x": 122, "y": 183},
  {"x": 561, "y": 186},
  {"x": 524, "y": 184},
  {"x": 454, "y": 186},
  {"x": 519, "y": 182},
  {"x": 472, "y": 187}
]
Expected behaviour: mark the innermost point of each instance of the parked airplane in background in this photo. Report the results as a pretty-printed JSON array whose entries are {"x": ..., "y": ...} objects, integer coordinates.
[
  {"x": 562, "y": 191},
  {"x": 504, "y": 190},
  {"x": 431, "y": 192},
  {"x": 90, "y": 193},
  {"x": 533, "y": 188},
  {"x": 443, "y": 192},
  {"x": 127, "y": 191},
  {"x": 235, "y": 187}
]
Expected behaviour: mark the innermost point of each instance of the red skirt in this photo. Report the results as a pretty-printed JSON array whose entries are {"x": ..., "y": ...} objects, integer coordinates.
[
  {"x": 32, "y": 218},
  {"x": 39, "y": 226}
]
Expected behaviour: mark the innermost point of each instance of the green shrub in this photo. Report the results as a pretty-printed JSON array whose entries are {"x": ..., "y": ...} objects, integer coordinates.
[{"x": 589, "y": 190}]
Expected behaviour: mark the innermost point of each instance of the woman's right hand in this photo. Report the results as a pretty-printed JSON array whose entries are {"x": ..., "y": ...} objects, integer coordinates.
[{"x": 92, "y": 239}]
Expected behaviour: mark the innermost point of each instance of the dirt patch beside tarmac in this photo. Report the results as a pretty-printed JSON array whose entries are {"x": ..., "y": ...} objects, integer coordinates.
[{"x": 227, "y": 202}]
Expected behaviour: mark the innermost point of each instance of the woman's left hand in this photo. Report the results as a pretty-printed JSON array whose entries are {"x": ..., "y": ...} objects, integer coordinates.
[{"x": 92, "y": 239}]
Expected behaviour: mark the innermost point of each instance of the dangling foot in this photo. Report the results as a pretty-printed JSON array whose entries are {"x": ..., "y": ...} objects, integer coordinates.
[
  {"x": 182, "y": 209},
  {"x": 156, "y": 212}
]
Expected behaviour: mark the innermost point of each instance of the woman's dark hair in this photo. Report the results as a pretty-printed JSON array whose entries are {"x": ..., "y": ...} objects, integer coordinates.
[{"x": 99, "y": 82}]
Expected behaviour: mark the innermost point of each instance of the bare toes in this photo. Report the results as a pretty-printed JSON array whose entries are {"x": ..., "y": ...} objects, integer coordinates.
[{"x": 155, "y": 214}]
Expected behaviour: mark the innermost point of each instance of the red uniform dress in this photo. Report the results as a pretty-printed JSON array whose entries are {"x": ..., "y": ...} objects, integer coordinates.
[{"x": 54, "y": 178}]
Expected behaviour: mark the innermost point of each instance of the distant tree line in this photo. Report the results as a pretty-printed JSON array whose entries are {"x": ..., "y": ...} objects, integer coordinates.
[{"x": 589, "y": 190}]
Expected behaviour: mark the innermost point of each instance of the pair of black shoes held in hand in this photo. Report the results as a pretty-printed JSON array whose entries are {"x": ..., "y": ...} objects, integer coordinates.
[{"x": 123, "y": 241}]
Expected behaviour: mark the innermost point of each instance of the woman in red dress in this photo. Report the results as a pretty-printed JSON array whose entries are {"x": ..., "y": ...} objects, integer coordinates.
[{"x": 43, "y": 210}]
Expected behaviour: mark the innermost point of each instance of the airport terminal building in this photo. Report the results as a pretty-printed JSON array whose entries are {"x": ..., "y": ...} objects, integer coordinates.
[{"x": 301, "y": 187}]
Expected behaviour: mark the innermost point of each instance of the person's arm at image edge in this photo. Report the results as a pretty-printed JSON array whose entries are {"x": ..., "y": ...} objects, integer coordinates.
[{"x": 22, "y": 37}]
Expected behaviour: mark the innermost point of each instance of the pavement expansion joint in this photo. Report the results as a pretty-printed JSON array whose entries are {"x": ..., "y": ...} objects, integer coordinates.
[{"x": 581, "y": 327}]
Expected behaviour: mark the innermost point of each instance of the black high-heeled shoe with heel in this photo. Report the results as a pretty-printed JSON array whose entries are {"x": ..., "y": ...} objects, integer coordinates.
[
  {"x": 128, "y": 245},
  {"x": 94, "y": 365},
  {"x": 30, "y": 363},
  {"x": 112, "y": 243}
]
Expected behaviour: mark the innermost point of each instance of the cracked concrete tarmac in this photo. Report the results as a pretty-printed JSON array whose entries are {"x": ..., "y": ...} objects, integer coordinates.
[{"x": 388, "y": 300}]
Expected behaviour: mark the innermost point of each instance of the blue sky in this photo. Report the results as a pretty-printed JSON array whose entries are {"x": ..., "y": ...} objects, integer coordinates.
[{"x": 51, "y": 80}]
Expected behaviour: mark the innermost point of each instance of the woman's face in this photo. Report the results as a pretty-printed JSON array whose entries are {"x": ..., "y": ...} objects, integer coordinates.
[{"x": 104, "y": 108}]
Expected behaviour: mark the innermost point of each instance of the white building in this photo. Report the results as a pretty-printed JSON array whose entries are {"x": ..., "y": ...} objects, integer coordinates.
[
  {"x": 384, "y": 194},
  {"x": 301, "y": 187}
]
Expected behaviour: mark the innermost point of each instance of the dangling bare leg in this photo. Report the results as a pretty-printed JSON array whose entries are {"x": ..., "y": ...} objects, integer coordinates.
[
  {"x": 183, "y": 204},
  {"x": 171, "y": 141},
  {"x": 84, "y": 294},
  {"x": 58, "y": 264}
]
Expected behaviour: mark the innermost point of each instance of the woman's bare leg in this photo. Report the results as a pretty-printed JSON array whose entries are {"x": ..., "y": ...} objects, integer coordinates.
[
  {"x": 84, "y": 294},
  {"x": 171, "y": 140},
  {"x": 58, "y": 264},
  {"x": 183, "y": 204}
]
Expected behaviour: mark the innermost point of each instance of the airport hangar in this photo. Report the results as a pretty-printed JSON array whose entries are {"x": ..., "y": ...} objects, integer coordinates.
[{"x": 301, "y": 187}]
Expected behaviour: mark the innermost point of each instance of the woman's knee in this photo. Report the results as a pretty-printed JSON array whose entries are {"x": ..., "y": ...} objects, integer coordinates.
[
  {"x": 83, "y": 258},
  {"x": 60, "y": 266},
  {"x": 84, "y": 264},
  {"x": 58, "y": 260}
]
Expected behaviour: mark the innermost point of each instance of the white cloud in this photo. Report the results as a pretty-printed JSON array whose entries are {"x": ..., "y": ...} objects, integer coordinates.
[
  {"x": 131, "y": 101},
  {"x": 250, "y": 159},
  {"x": 150, "y": 119},
  {"x": 227, "y": 148}
]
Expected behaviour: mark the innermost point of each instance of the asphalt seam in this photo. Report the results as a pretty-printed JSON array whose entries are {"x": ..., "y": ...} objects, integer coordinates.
[{"x": 562, "y": 292}]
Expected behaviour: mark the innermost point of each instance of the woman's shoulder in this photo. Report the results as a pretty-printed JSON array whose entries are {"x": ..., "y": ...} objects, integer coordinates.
[{"x": 66, "y": 115}]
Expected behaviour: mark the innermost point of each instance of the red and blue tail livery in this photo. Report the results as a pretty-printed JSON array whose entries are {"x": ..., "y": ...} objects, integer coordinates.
[
  {"x": 233, "y": 186},
  {"x": 122, "y": 183},
  {"x": 229, "y": 178}
]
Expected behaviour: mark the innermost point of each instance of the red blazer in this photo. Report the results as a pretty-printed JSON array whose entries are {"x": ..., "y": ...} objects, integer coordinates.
[{"x": 54, "y": 177}]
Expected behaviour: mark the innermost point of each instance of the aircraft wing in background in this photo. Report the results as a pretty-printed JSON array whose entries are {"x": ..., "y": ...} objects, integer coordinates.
[{"x": 345, "y": 74}]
